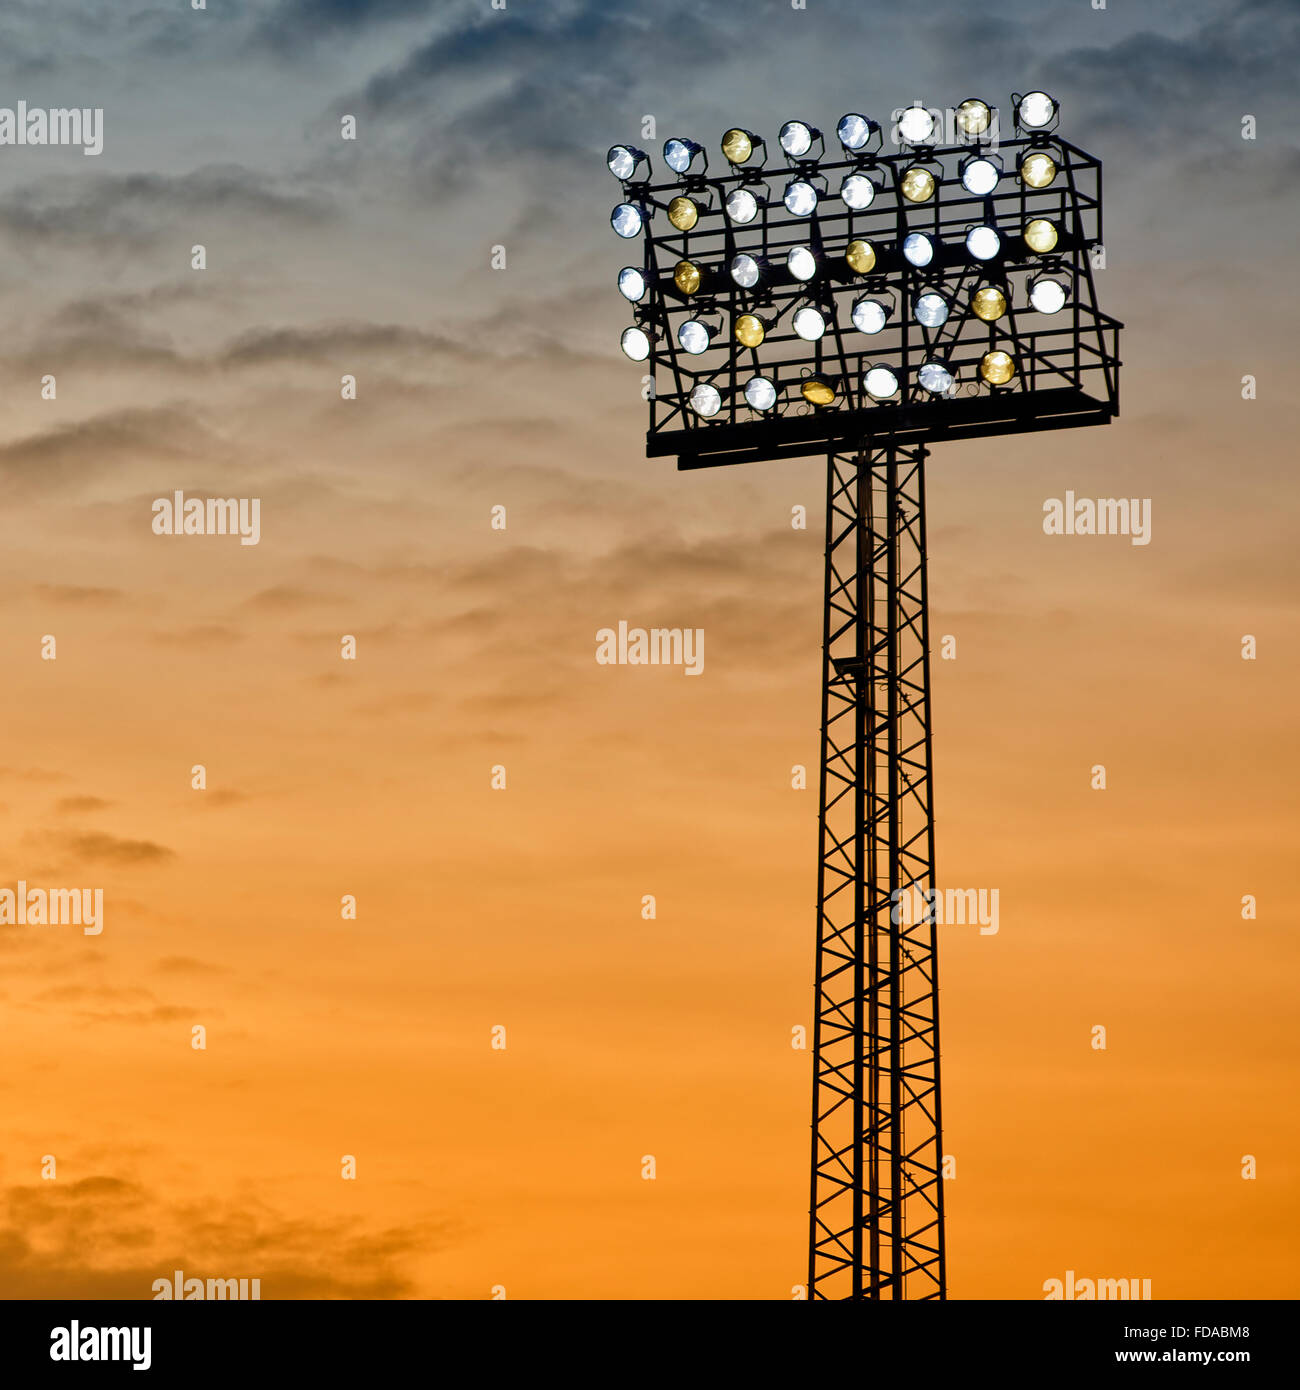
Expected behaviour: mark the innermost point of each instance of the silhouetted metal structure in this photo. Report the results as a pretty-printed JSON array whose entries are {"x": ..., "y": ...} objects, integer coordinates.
[
  {"x": 877, "y": 1190},
  {"x": 979, "y": 335}
]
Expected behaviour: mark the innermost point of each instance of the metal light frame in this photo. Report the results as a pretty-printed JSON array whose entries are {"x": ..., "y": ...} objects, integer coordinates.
[{"x": 1066, "y": 363}]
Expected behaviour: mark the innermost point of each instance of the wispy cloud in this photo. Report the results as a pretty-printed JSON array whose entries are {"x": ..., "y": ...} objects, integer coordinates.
[
  {"x": 81, "y": 805},
  {"x": 69, "y": 848},
  {"x": 107, "y": 1237}
]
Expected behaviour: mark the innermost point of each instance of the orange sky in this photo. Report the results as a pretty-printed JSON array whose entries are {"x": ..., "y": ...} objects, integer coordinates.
[{"x": 522, "y": 1168}]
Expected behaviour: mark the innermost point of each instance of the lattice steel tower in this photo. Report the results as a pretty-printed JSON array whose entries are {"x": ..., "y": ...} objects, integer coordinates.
[
  {"x": 864, "y": 308},
  {"x": 877, "y": 1191}
]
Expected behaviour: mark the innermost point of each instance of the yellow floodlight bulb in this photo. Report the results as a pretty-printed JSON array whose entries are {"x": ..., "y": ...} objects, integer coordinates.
[
  {"x": 973, "y": 117},
  {"x": 738, "y": 145},
  {"x": 683, "y": 213},
  {"x": 1040, "y": 235},
  {"x": 687, "y": 277},
  {"x": 1038, "y": 169},
  {"x": 997, "y": 368},
  {"x": 861, "y": 256},
  {"x": 918, "y": 184},
  {"x": 989, "y": 303},
  {"x": 816, "y": 390}
]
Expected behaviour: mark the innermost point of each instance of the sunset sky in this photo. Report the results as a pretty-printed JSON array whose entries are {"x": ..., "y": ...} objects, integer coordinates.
[{"x": 521, "y": 908}]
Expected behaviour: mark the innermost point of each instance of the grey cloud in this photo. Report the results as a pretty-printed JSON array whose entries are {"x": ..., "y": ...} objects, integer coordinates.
[
  {"x": 326, "y": 343},
  {"x": 137, "y": 211},
  {"x": 109, "y": 1237},
  {"x": 1196, "y": 86},
  {"x": 296, "y": 25},
  {"x": 69, "y": 457},
  {"x": 80, "y": 805},
  {"x": 96, "y": 847}
]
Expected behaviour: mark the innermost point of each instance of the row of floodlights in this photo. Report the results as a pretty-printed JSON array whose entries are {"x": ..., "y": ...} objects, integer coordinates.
[
  {"x": 880, "y": 383},
  {"x": 917, "y": 126},
  {"x": 980, "y": 176},
  {"x": 869, "y": 314},
  {"x": 803, "y": 263}
]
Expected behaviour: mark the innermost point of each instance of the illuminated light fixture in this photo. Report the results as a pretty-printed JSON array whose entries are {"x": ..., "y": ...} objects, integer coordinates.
[
  {"x": 997, "y": 368},
  {"x": 739, "y": 145},
  {"x": 687, "y": 277},
  {"x": 989, "y": 303},
  {"x": 854, "y": 131},
  {"x": 683, "y": 213},
  {"x": 861, "y": 256},
  {"x": 745, "y": 271},
  {"x": 680, "y": 154},
  {"x": 750, "y": 330},
  {"x": 930, "y": 310},
  {"x": 980, "y": 176},
  {"x": 973, "y": 117},
  {"x": 983, "y": 243},
  {"x": 694, "y": 337},
  {"x": 818, "y": 390},
  {"x": 635, "y": 343},
  {"x": 797, "y": 138},
  {"x": 623, "y": 160},
  {"x": 809, "y": 323},
  {"x": 631, "y": 284},
  {"x": 1038, "y": 169},
  {"x": 880, "y": 383},
  {"x": 917, "y": 185},
  {"x": 916, "y": 126},
  {"x": 935, "y": 377},
  {"x": 760, "y": 393},
  {"x": 1036, "y": 111},
  {"x": 742, "y": 206},
  {"x": 814, "y": 398},
  {"x": 858, "y": 192},
  {"x": 705, "y": 400},
  {"x": 918, "y": 249},
  {"x": 1047, "y": 295},
  {"x": 869, "y": 315},
  {"x": 801, "y": 263},
  {"x": 1040, "y": 235},
  {"x": 800, "y": 198},
  {"x": 627, "y": 220}
]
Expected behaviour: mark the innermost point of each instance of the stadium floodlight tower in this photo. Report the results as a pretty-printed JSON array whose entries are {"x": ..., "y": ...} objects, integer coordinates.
[{"x": 866, "y": 304}]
